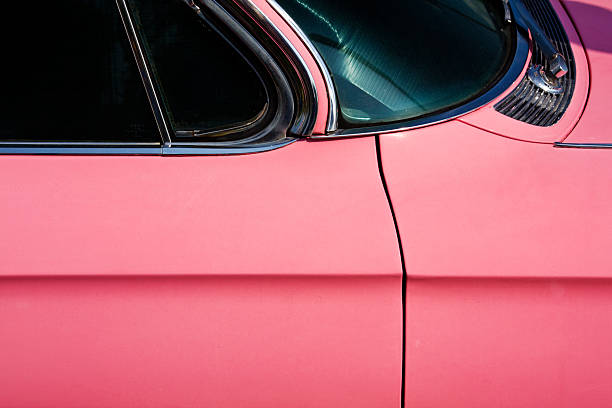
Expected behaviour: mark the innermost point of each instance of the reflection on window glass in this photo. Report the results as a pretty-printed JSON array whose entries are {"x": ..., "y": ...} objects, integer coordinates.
[
  {"x": 206, "y": 84},
  {"x": 68, "y": 74},
  {"x": 398, "y": 60}
]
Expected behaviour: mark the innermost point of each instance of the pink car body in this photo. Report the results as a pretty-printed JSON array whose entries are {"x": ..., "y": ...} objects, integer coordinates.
[{"x": 470, "y": 267}]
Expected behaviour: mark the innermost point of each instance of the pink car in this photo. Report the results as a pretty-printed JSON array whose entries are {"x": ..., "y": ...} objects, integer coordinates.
[{"x": 306, "y": 203}]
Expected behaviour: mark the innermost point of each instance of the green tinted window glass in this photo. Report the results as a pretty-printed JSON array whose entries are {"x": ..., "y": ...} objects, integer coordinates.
[{"x": 401, "y": 60}]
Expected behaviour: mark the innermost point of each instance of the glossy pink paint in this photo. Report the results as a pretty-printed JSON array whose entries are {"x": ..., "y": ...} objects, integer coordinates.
[
  {"x": 507, "y": 252},
  {"x": 483, "y": 205},
  {"x": 259, "y": 280},
  {"x": 200, "y": 341},
  {"x": 295, "y": 211},
  {"x": 594, "y": 21},
  {"x": 507, "y": 343}
]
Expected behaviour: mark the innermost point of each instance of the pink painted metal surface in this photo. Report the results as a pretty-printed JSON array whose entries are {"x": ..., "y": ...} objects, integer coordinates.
[
  {"x": 488, "y": 119},
  {"x": 470, "y": 203},
  {"x": 260, "y": 280},
  {"x": 594, "y": 21},
  {"x": 506, "y": 343},
  {"x": 300, "y": 210},
  {"x": 507, "y": 253},
  {"x": 200, "y": 342}
]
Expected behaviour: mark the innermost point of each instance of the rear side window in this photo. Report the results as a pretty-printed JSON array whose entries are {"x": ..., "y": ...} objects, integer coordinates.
[
  {"x": 206, "y": 84},
  {"x": 68, "y": 73},
  {"x": 401, "y": 60}
]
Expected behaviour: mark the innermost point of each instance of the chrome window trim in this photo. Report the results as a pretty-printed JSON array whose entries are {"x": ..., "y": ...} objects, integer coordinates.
[
  {"x": 191, "y": 149},
  {"x": 75, "y": 144},
  {"x": 118, "y": 149},
  {"x": 584, "y": 145},
  {"x": 145, "y": 74},
  {"x": 80, "y": 148},
  {"x": 332, "y": 116},
  {"x": 68, "y": 150},
  {"x": 302, "y": 126}
]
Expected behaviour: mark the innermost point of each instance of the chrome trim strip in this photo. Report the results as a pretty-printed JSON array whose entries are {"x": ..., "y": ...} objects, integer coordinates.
[
  {"x": 147, "y": 79},
  {"x": 304, "y": 129},
  {"x": 80, "y": 144},
  {"x": 332, "y": 116},
  {"x": 538, "y": 76},
  {"x": 80, "y": 150},
  {"x": 514, "y": 71},
  {"x": 177, "y": 149},
  {"x": 584, "y": 145},
  {"x": 507, "y": 12},
  {"x": 185, "y": 149}
]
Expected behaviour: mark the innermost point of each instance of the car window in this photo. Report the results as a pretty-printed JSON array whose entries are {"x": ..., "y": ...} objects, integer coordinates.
[
  {"x": 68, "y": 73},
  {"x": 206, "y": 84},
  {"x": 400, "y": 60}
]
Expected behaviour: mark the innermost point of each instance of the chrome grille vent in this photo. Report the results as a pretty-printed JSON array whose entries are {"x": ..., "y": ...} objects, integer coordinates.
[{"x": 527, "y": 102}]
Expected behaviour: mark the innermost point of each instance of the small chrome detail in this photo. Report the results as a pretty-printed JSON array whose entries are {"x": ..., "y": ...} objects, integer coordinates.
[
  {"x": 80, "y": 150},
  {"x": 507, "y": 12},
  {"x": 558, "y": 66},
  {"x": 584, "y": 145},
  {"x": 538, "y": 75},
  {"x": 195, "y": 149},
  {"x": 528, "y": 102}
]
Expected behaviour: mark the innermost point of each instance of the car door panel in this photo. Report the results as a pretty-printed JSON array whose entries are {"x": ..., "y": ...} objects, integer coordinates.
[{"x": 270, "y": 279}]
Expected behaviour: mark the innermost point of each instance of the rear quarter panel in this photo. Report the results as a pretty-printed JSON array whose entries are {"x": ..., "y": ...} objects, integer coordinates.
[{"x": 508, "y": 262}]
